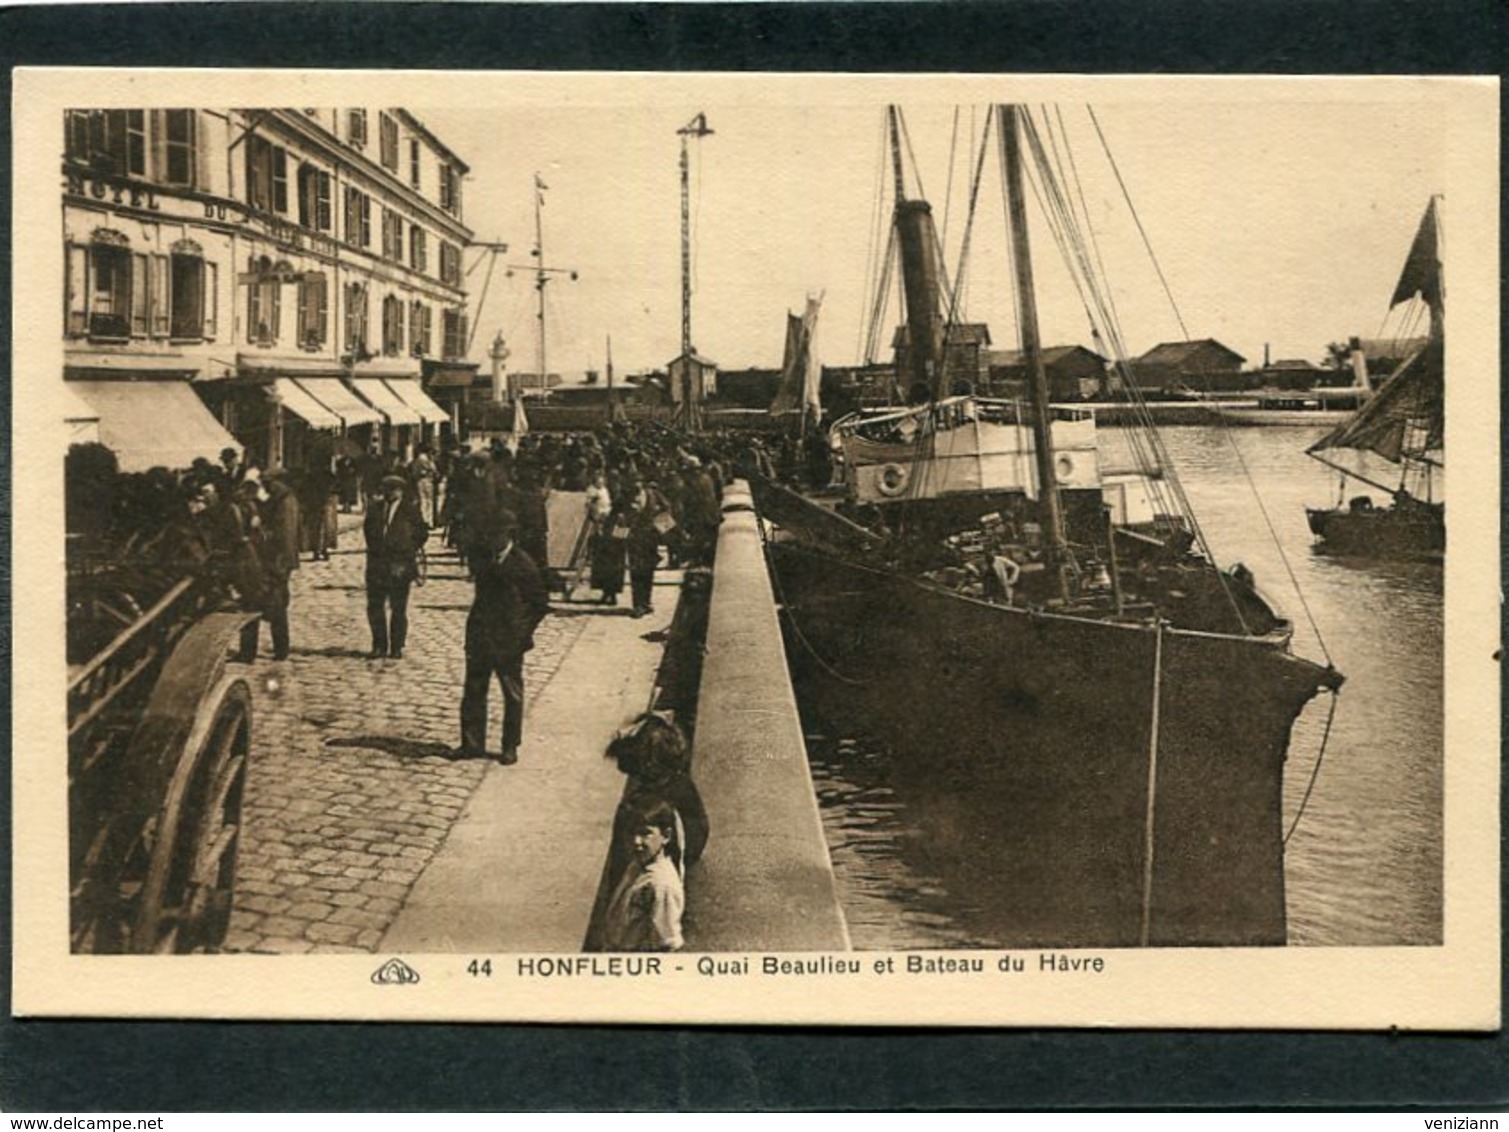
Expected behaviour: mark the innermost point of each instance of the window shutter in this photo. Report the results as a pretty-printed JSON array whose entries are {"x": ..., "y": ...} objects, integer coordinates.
[
  {"x": 274, "y": 308},
  {"x": 321, "y": 309},
  {"x": 160, "y": 296},
  {"x": 211, "y": 298},
  {"x": 306, "y": 196},
  {"x": 251, "y": 172},
  {"x": 201, "y": 153},
  {"x": 77, "y": 285},
  {"x": 140, "y": 295},
  {"x": 253, "y": 309},
  {"x": 279, "y": 179},
  {"x": 157, "y": 140}
]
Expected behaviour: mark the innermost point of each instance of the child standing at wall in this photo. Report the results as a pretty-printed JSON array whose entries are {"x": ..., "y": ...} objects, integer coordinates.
[
  {"x": 644, "y": 913},
  {"x": 653, "y": 752}
]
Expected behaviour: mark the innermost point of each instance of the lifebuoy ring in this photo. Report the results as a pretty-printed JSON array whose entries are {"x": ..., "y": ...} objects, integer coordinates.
[
  {"x": 892, "y": 480},
  {"x": 1063, "y": 467}
]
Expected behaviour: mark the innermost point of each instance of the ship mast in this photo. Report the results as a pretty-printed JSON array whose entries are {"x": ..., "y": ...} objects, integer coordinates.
[
  {"x": 1042, "y": 422},
  {"x": 542, "y": 276}
]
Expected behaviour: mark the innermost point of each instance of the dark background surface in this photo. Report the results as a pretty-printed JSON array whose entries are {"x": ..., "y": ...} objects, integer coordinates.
[{"x": 79, "y": 1067}]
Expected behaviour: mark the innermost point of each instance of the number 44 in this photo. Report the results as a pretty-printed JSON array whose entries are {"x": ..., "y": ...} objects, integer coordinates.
[{"x": 480, "y": 968}]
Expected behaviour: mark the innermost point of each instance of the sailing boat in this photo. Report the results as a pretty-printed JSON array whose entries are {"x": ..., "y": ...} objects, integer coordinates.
[
  {"x": 1405, "y": 424},
  {"x": 800, "y": 373},
  {"x": 1114, "y": 709}
]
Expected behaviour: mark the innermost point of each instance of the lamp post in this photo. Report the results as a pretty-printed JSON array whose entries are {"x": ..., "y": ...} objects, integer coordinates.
[{"x": 691, "y": 392}]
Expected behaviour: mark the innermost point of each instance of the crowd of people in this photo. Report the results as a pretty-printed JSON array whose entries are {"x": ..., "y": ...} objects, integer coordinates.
[{"x": 650, "y": 496}]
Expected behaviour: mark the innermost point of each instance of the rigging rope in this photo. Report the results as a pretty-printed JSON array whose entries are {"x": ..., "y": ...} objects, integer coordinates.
[
  {"x": 1220, "y": 416},
  {"x": 481, "y": 299},
  {"x": 796, "y": 629},
  {"x": 948, "y": 188},
  {"x": 1314, "y": 770},
  {"x": 1127, "y": 196},
  {"x": 865, "y": 344},
  {"x": 882, "y": 297},
  {"x": 1144, "y": 440},
  {"x": 1149, "y": 818}
]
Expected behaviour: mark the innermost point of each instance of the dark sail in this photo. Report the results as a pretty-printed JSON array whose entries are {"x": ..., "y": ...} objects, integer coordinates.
[
  {"x": 1405, "y": 418},
  {"x": 1422, "y": 267}
]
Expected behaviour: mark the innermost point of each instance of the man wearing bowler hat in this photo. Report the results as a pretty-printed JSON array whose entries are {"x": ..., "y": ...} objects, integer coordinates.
[
  {"x": 509, "y": 604},
  {"x": 395, "y": 533}
]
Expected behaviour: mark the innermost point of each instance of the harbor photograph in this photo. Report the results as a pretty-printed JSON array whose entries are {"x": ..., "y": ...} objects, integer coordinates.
[{"x": 939, "y": 550}]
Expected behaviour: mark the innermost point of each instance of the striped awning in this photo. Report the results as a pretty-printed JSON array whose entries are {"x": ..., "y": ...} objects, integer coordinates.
[
  {"x": 386, "y": 401},
  {"x": 415, "y": 398},
  {"x": 333, "y": 394},
  {"x": 293, "y": 397}
]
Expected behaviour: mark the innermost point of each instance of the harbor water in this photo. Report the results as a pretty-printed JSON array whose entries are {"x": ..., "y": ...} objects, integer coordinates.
[{"x": 1363, "y": 865}]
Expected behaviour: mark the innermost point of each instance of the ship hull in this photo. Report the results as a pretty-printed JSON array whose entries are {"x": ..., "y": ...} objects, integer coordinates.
[
  {"x": 1034, "y": 736},
  {"x": 1415, "y": 531}
]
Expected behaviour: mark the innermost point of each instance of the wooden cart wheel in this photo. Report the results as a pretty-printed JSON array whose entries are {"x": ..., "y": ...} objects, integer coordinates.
[{"x": 186, "y": 900}]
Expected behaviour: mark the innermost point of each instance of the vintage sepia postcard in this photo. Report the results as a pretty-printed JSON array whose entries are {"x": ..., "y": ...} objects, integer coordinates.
[{"x": 712, "y": 548}]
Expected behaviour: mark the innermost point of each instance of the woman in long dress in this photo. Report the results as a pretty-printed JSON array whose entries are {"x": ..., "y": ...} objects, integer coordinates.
[{"x": 609, "y": 545}]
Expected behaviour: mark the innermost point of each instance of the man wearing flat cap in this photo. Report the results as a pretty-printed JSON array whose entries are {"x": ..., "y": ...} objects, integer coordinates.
[
  {"x": 509, "y": 604},
  {"x": 395, "y": 533}
]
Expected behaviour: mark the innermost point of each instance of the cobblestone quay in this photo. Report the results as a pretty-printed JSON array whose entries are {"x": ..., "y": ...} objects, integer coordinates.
[{"x": 353, "y": 787}]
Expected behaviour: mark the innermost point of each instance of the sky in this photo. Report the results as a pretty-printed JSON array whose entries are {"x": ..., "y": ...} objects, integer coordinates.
[{"x": 1280, "y": 222}]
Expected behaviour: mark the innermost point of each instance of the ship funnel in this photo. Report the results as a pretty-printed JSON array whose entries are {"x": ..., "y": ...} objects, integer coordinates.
[{"x": 918, "y": 241}]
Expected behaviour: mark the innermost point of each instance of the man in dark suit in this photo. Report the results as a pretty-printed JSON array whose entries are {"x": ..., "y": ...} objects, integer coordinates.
[
  {"x": 395, "y": 533},
  {"x": 510, "y": 602}
]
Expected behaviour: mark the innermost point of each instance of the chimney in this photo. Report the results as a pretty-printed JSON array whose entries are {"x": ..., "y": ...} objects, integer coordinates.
[{"x": 1265, "y": 355}]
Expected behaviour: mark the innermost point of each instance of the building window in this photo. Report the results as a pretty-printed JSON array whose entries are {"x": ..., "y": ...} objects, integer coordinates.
[
  {"x": 358, "y": 218},
  {"x": 313, "y": 311},
  {"x": 356, "y": 128},
  {"x": 387, "y": 141},
  {"x": 186, "y": 295},
  {"x": 392, "y": 326},
  {"x": 418, "y": 253},
  {"x": 180, "y": 147},
  {"x": 106, "y": 273},
  {"x": 419, "y": 329},
  {"x": 110, "y": 293},
  {"x": 264, "y": 292},
  {"x": 414, "y": 162},
  {"x": 314, "y": 198},
  {"x": 453, "y": 345},
  {"x": 113, "y": 142},
  {"x": 392, "y": 235},
  {"x": 450, "y": 189},
  {"x": 114, "y": 294},
  {"x": 77, "y": 127},
  {"x": 266, "y": 175},
  {"x": 356, "y": 319},
  {"x": 450, "y": 263}
]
